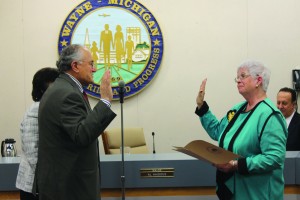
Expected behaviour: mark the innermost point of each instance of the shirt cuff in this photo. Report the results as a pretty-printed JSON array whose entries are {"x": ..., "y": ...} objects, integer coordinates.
[
  {"x": 204, "y": 108},
  {"x": 106, "y": 102},
  {"x": 242, "y": 166}
]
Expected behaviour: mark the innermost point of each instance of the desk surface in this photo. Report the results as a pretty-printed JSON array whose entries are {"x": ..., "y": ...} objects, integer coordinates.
[
  {"x": 188, "y": 171},
  {"x": 140, "y": 157}
]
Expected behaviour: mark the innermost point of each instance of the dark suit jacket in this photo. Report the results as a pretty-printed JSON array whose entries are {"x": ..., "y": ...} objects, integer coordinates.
[
  {"x": 68, "y": 154},
  {"x": 293, "y": 140}
]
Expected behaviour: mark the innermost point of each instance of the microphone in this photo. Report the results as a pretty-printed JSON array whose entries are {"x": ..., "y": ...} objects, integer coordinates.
[
  {"x": 121, "y": 90},
  {"x": 153, "y": 143},
  {"x": 121, "y": 96}
]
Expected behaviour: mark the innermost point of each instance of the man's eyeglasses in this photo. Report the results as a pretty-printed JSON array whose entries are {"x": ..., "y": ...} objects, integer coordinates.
[
  {"x": 91, "y": 63},
  {"x": 241, "y": 77}
]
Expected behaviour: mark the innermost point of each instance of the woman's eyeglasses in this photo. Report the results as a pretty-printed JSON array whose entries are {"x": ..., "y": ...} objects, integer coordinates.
[{"x": 241, "y": 77}]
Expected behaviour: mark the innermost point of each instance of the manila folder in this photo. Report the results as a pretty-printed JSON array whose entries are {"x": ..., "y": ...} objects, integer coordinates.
[{"x": 206, "y": 151}]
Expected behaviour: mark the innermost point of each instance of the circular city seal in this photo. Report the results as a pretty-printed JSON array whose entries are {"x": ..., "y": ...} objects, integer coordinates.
[{"x": 123, "y": 37}]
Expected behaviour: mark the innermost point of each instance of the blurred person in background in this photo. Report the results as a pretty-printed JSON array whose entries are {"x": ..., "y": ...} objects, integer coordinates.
[
  {"x": 287, "y": 104},
  {"x": 30, "y": 132}
]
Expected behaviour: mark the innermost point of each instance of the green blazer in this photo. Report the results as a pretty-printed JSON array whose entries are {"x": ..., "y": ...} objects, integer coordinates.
[
  {"x": 68, "y": 155},
  {"x": 261, "y": 143}
]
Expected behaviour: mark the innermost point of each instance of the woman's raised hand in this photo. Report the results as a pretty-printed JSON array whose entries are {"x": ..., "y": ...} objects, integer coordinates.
[{"x": 201, "y": 93}]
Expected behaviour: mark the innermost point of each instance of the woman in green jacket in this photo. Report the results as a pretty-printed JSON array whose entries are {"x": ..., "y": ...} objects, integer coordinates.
[{"x": 256, "y": 130}]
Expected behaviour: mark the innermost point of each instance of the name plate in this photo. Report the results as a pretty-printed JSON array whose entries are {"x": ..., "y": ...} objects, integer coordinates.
[{"x": 157, "y": 172}]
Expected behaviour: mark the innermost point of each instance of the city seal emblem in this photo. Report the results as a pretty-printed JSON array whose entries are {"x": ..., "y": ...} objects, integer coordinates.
[{"x": 123, "y": 37}]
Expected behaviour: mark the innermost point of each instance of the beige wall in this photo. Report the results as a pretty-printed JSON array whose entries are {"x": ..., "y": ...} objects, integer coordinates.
[{"x": 202, "y": 38}]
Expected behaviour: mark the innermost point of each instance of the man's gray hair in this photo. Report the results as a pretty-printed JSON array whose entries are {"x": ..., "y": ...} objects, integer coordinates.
[{"x": 69, "y": 54}]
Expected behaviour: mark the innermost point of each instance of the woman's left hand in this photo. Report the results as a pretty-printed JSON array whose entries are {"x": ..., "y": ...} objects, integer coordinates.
[{"x": 227, "y": 167}]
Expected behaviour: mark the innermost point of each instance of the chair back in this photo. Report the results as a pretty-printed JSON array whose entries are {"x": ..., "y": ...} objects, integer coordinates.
[{"x": 133, "y": 138}]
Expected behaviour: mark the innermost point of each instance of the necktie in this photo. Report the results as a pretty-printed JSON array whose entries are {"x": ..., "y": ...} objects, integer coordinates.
[
  {"x": 86, "y": 99},
  {"x": 85, "y": 96}
]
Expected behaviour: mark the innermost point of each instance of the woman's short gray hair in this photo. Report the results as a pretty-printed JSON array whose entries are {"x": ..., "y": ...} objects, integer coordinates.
[
  {"x": 69, "y": 54},
  {"x": 256, "y": 68}
]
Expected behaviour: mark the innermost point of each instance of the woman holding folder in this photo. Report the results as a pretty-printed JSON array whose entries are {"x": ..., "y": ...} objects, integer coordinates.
[{"x": 254, "y": 129}]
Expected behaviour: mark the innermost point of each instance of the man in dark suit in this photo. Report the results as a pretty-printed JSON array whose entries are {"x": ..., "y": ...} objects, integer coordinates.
[
  {"x": 68, "y": 154},
  {"x": 287, "y": 104}
]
